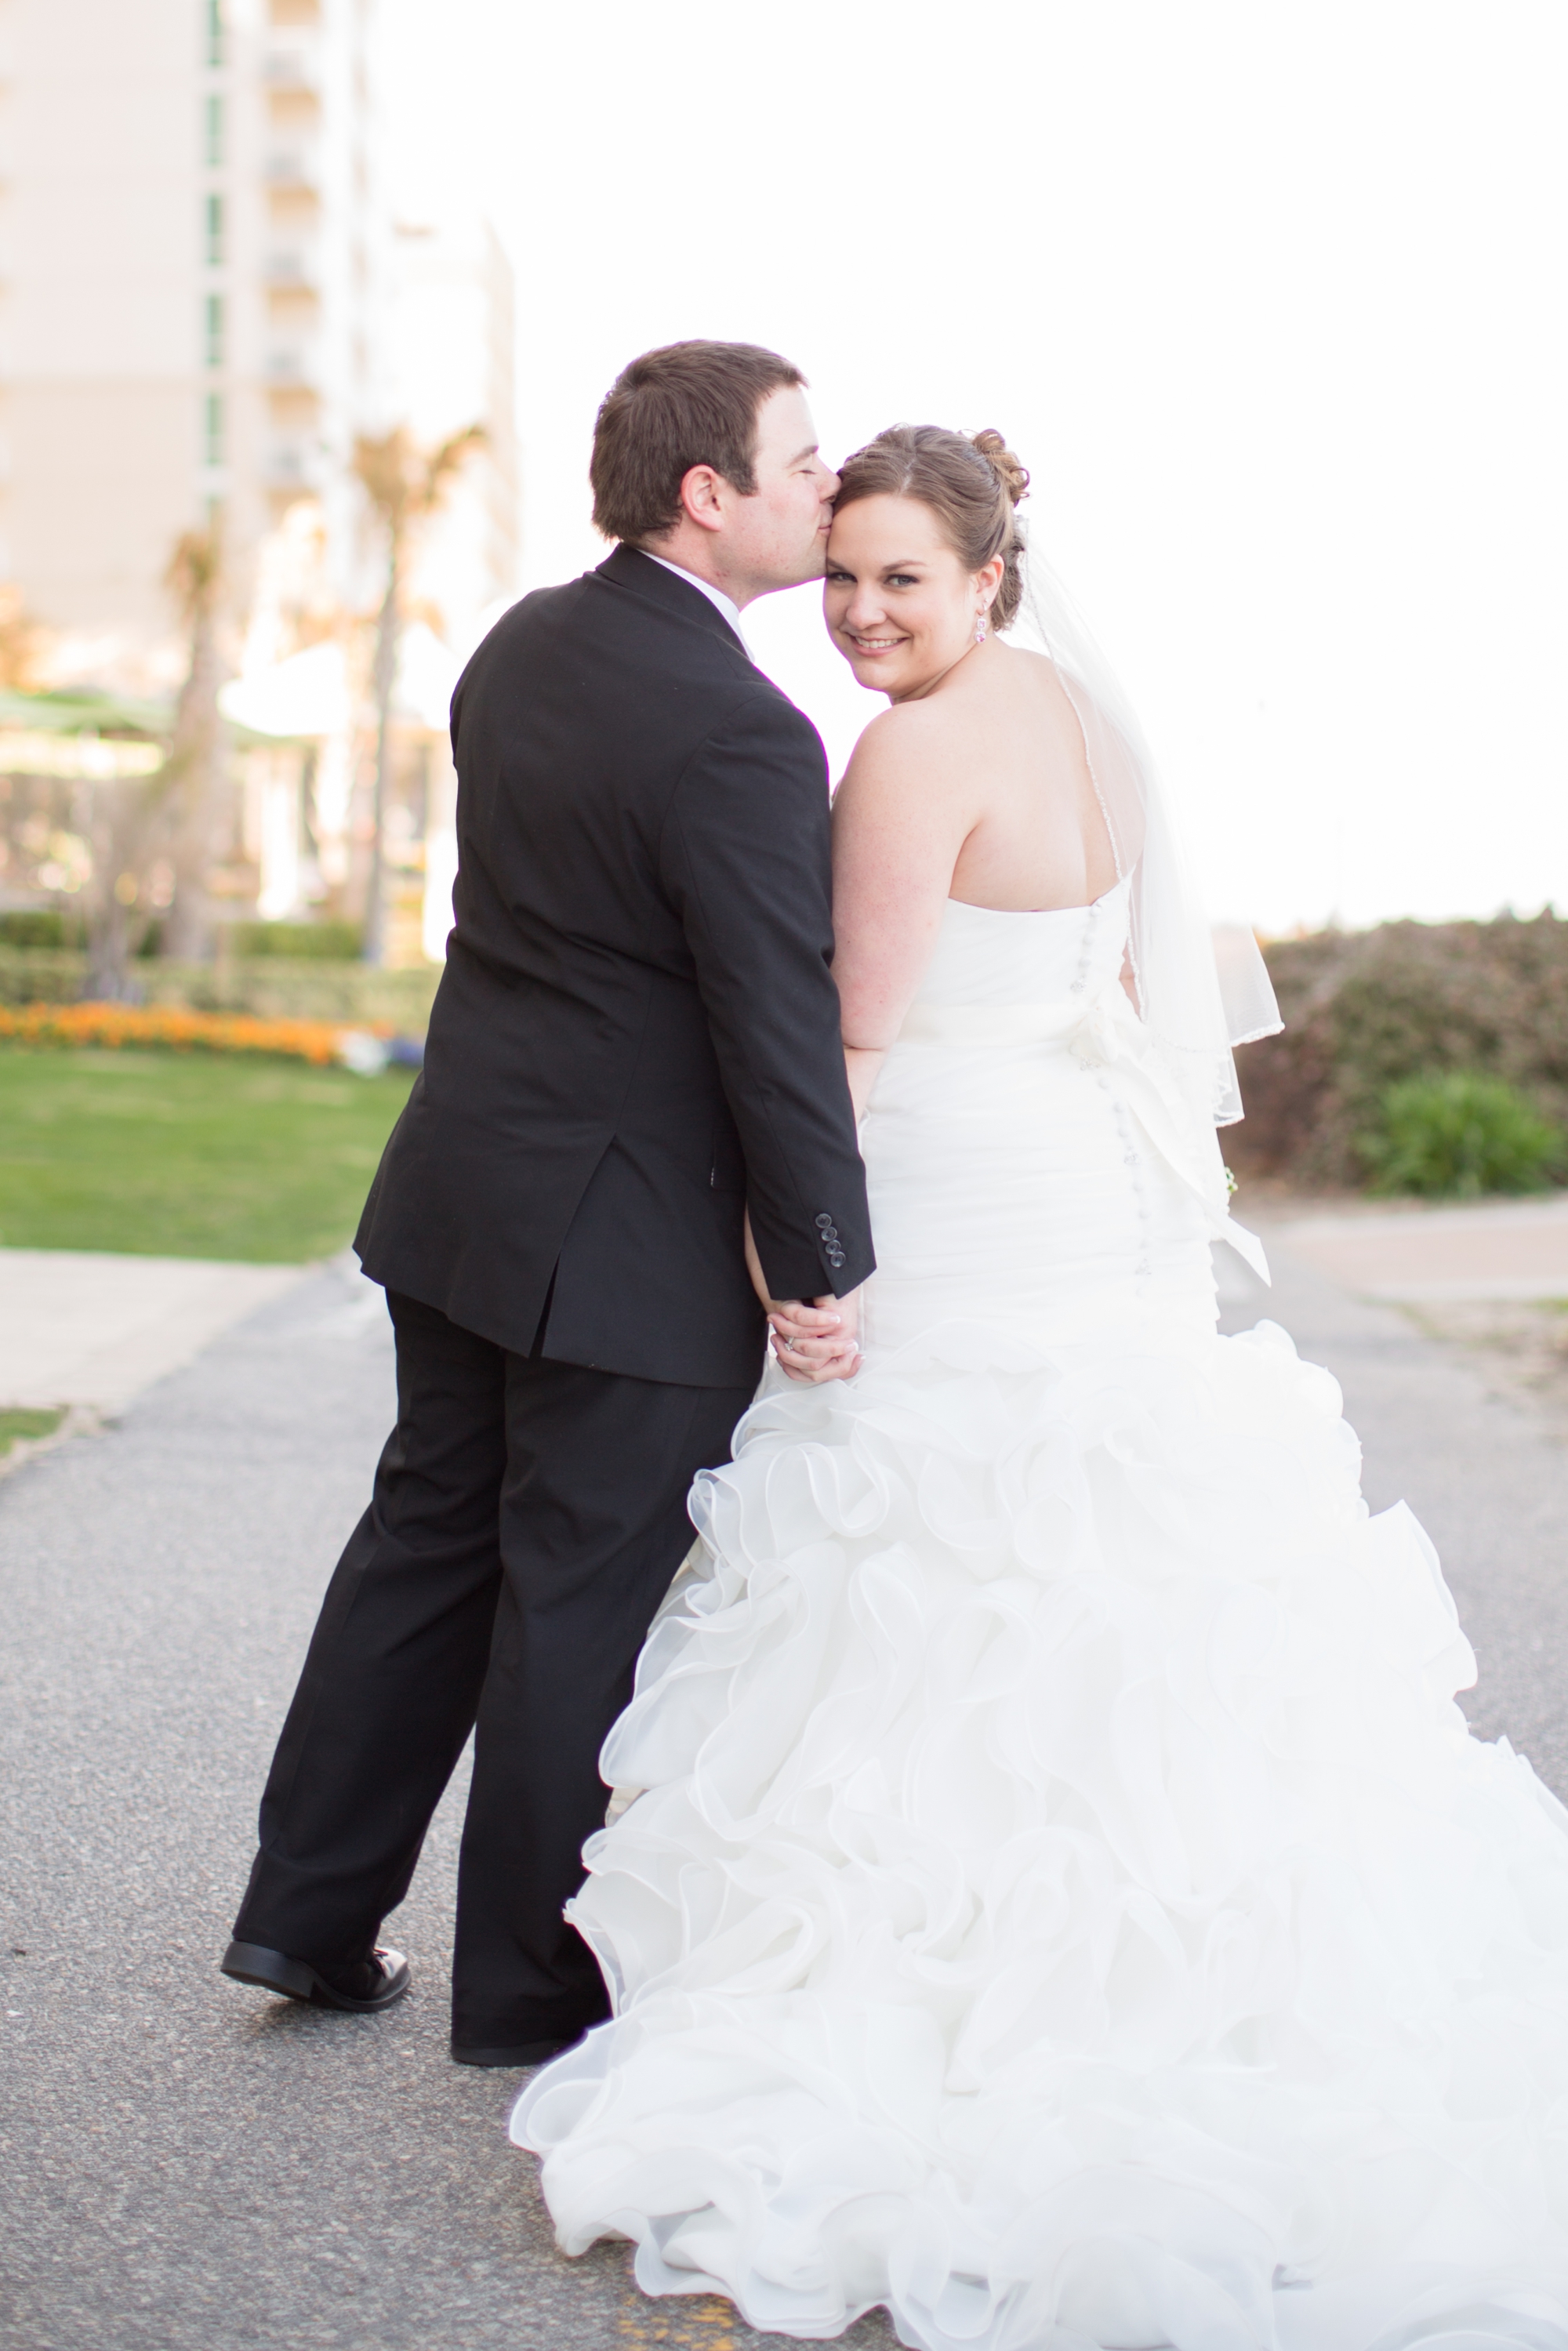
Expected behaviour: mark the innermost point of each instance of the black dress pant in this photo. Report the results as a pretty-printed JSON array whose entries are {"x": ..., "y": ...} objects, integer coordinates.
[{"x": 527, "y": 1519}]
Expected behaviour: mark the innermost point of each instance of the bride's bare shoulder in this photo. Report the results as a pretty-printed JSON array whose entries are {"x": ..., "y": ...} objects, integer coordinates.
[
  {"x": 914, "y": 745},
  {"x": 1037, "y": 674},
  {"x": 941, "y": 747}
]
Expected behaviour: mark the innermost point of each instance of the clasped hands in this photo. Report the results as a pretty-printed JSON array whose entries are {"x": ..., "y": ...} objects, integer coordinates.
[
  {"x": 816, "y": 1340},
  {"x": 813, "y": 1340}
]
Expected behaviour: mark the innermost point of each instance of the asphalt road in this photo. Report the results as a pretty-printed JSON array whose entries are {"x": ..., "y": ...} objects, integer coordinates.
[{"x": 194, "y": 2168}]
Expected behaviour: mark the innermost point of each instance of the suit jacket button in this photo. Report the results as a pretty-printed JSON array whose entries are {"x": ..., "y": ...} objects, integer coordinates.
[{"x": 823, "y": 1223}]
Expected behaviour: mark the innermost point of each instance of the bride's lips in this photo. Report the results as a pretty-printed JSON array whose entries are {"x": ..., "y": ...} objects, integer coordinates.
[{"x": 873, "y": 647}]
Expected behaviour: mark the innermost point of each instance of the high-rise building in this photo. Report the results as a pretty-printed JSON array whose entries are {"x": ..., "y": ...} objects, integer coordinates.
[
  {"x": 204, "y": 303},
  {"x": 196, "y": 257}
]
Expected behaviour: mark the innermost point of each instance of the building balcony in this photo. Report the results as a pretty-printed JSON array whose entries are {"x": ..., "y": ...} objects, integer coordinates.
[
  {"x": 291, "y": 73},
  {"x": 292, "y": 367},
  {"x": 292, "y": 172},
  {"x": 293, "y": 465},
  {"x": 291, "y": 268}
]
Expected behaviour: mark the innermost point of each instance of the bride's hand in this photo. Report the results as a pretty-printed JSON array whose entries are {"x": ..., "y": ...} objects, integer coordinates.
[
  {"x": 817, "y": 1342},
  {"x": 813, "y": 1342}
]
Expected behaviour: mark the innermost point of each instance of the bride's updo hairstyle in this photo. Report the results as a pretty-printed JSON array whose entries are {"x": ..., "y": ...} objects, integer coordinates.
[{"x": 970, "y": 486}]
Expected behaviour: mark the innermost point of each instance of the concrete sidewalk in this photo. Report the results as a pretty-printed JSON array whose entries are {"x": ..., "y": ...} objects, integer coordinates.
[
  {"x": 1490, "y": 1249},
  {"x": 78, "y": 1327}
]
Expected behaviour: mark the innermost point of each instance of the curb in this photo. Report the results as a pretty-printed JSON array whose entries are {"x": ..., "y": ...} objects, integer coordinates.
[{"x": 80, "y": 1420}]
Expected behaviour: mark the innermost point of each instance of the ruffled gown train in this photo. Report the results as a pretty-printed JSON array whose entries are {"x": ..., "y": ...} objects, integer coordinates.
[{"x": 1066, "y": 1906}]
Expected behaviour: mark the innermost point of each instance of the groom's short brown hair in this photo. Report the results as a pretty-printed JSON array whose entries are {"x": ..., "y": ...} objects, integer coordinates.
[{"x": 689, "y": 404}]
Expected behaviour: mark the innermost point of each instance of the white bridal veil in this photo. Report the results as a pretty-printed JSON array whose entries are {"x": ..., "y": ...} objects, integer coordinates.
[{"x": 1194, "y": 1003}]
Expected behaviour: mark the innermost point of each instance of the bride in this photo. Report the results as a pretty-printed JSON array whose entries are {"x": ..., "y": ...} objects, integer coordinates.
[{"x": 1065, "y": 1905}]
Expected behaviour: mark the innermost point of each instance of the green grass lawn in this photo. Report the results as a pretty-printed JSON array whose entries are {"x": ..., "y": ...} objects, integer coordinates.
[{"x": 200, "y": 1154}]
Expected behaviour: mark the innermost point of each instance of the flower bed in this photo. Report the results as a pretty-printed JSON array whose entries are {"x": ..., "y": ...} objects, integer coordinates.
[
  {"x": 268, "y": 987},
  {"x": 174, "y": 1027}
]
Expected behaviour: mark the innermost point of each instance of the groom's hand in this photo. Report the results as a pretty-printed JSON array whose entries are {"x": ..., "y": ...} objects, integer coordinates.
[{"x": 818, "y": 1342}]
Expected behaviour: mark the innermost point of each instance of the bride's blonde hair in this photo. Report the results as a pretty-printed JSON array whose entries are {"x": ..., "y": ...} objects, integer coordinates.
[{"x": 971, "y": 485}]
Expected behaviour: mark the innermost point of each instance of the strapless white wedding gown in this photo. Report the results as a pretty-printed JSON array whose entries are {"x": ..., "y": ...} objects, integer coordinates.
[{"x": 1067, "y": 1905}]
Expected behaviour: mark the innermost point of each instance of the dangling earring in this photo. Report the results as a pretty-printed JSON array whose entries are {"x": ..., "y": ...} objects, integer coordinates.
[{"x": 979, "y": 628}]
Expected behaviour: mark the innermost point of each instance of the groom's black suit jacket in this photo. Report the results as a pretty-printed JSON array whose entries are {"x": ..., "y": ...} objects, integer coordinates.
[{"x": 637, "y": 1029}]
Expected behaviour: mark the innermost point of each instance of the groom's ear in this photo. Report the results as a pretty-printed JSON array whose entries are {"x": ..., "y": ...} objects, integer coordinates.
[{"x": 706, "y": 496}]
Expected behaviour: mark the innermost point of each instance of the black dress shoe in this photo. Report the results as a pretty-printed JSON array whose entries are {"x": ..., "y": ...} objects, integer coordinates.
[
  {"x": 523, "y": 2053},
  {"x": 363, "y": 1986}
]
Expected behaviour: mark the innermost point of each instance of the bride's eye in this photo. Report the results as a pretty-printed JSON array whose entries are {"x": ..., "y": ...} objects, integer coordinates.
[{"x": 902, "y": 580}]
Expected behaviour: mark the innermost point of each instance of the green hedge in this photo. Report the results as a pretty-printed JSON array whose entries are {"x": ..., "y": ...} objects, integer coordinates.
[
  {"x": 40, "y": 927},
  {"x": 269, "y": 985},
  {"x": 301, "y": 942},
  {"x": 322, "y": 942},
  {"x": 1458, "y": 1136},
  {"x": 1365, "y": 1011}
]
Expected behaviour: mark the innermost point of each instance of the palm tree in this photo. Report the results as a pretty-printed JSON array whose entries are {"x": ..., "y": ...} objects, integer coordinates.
[
  {"x": 23, "y": 664},
  {"x": 177, "y": 802},
  {"x": 404, "y": 483},
  {"x": 191, "y": 778},
  {"x": 125, "y": 814}
]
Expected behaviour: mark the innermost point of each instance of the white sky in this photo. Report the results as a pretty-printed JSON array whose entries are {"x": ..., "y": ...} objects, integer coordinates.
[{"x": 1269, "y": 296}]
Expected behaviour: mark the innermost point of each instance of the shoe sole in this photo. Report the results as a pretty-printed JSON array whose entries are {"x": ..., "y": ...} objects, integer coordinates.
[{"x": 252, "y": 1963}]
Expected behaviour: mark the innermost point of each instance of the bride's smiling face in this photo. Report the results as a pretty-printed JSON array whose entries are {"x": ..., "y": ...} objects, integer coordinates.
[{"x": 898, "y": 603}]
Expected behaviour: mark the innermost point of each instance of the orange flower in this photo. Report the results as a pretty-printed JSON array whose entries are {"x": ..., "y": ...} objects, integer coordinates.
[{"x": 175, "y": 1027}]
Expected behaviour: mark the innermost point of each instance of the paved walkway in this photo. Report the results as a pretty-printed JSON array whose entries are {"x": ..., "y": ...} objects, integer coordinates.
[
  {"x": 188, "y": 2166},
  {"x": 192, "y": 2168}
]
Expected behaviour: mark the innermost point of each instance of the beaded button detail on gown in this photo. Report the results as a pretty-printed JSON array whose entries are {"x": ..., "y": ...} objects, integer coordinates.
[{"x": 1066, "y": 1905}]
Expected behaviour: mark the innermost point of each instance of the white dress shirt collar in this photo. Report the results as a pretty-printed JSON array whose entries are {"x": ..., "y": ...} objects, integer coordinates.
[{"x": 715, "y": 596}]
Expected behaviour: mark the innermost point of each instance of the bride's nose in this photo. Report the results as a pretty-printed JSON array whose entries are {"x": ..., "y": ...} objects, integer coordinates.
[{"x": 863, "y": 610}]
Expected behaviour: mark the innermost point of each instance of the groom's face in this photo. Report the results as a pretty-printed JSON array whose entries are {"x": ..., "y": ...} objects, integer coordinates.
[{"x": 780, "y": 535}]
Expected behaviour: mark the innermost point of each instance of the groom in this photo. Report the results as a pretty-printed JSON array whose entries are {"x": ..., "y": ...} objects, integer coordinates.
[{"x": 636, "y": 1038}]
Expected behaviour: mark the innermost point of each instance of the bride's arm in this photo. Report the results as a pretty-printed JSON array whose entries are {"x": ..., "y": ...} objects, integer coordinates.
[
  {"x": 861, "y": 1067},
  {"x": 904, "y": 812}
]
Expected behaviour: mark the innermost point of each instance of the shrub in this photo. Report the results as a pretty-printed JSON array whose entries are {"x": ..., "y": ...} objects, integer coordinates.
[
  {"x": 41, "y": 926},
  {"x": 301, "y": 942},
  {"x": 1365, "y": 1011},
  {"x": 1457, "y": 1135}
]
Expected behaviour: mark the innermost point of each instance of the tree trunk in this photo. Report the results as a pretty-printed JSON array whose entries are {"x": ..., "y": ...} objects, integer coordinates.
[
  {"x": 195, "y": 777},
  {"x": 124, "y": 815},
  {"x": 385, "y": 672}
]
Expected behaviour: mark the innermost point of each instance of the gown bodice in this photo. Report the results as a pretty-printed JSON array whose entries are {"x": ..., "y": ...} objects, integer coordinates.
[
  {"x": 985, "y": 956},
  {"x": 1026, "y": 1162}
]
